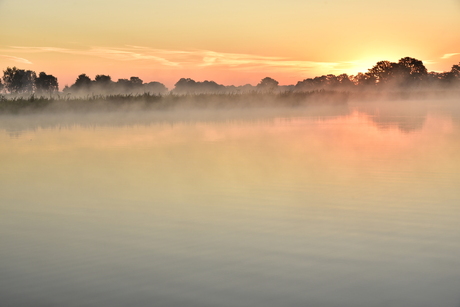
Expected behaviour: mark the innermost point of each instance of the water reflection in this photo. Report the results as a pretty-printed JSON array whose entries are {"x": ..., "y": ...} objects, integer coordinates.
[
  {"x": 273, "y": 209},
  {"x": 16, "y": 124},
  {"x": 407, "y": 116}
]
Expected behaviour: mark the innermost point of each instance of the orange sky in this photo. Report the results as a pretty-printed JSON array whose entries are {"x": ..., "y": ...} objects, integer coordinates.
[{"x": 230, "y": 42}]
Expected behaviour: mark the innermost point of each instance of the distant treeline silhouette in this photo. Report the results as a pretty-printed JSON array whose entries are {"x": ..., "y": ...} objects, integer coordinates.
[{"x": 407, "y": 73}]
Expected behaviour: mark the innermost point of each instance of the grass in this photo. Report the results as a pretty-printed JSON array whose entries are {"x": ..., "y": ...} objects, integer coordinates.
[{"x": 160, "y": 102}]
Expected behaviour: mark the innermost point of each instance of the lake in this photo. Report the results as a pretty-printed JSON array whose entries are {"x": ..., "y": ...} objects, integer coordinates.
[{"x": 355, "y": 205}]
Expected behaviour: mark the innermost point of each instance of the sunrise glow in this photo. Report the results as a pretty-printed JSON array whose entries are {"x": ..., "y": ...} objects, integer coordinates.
[{"x": 230, "y": 42}]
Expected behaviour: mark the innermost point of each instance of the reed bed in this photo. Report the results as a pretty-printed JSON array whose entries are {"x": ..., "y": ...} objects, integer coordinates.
[{"x": 160, "y": 102}]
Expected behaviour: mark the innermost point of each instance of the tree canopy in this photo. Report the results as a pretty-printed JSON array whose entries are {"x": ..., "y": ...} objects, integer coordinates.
[
  {"x": 46, "y": 83},
  {"x": 267, "y": 84},
  {"x": 406, "y": 73},
  {"x": 19, "y": 80}
]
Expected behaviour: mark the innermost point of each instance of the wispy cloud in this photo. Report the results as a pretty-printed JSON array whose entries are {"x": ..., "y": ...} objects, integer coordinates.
[
  {"x": 39, "y": 49},
  {"x": 429, "y": 62},
  {"x": 16, "y": 59},
  {"x": 194, "y": 58},
  {"x": 126, "y": 55},
  {"x": 449, "y": 55},
  {"x": 119, "y": 54},
  {"x": 248, "y": 61}
]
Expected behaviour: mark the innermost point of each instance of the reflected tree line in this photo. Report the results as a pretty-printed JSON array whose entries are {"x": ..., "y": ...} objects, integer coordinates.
[{"x": 407, "y": 73}]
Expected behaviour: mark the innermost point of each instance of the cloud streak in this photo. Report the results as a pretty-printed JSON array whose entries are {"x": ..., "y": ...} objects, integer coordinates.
[
  {"x": 191, "y": 58},
  {"x": 247, "y": 61},
  {"x": 16, "y": 59},
  {"x": 449, "y": 55},
  {"x": 197, "y": 59},
  {"x": 108, "y": 53}
]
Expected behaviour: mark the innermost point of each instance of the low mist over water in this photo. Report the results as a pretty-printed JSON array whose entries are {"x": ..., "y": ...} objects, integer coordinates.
[{"x": 341, "y": 205}]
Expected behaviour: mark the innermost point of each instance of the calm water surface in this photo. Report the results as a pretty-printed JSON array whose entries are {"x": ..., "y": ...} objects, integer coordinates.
[{"x": 352, "y": 207}]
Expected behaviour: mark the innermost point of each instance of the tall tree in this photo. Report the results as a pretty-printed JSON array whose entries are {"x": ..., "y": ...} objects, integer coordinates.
[
  {"x": 83, "y": 82},
  {"x": 103, "y": 84},
  {"x": 412, "y": 70},
  {"x": 46, "y": 83},
  {"x": 344, "y": 80},
  {"x": 267, "y": 84},
  {"x": 132, "y": 85},
  {"x": 452, "y": 76},
  {"x": 366, "y": 79},
  {"x": 103, "y": 79},
  {"x": 305, "y": 85},
  {"x": 455, "y": 71},
  {"x": 382, "y": 72},
  {"x": 136, "y": 81},
  {"x": 19, "y": 80},
  {"x": 185, "y": 85},
  {"x": 155, "y": 88}
]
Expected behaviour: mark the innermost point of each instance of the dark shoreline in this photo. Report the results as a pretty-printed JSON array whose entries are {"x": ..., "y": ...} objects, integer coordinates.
[
  {"x": 165, "y": 102},
  {"x": 57, "y": 103}
]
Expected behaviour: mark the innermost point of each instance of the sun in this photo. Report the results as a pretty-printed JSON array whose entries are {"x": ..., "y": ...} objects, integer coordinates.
[{"x": 363, "y": 64}]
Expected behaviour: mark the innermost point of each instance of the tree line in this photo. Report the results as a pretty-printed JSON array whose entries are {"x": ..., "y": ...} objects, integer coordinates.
[
  {"x": 103, "y": 85},
  {"x": 406, "y": 73},
  {"x": 19, "y": 81}
]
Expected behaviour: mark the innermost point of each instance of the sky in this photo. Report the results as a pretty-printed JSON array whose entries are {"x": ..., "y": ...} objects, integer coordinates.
[{"x": 230, "y": 42}]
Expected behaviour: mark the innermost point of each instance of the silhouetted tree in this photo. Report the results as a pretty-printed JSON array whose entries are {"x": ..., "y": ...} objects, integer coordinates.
[
  {"x": 211, "y": 87},
  {"x": 136, "y": 81},
  {"x": 155, "y": 88},
  {"x": 133, "y": 85},
  {"x": 247, "y": 88},
  {"x": 12, "y": 79},
  {"x": 103, "y": 81},
  {"x": 382, "y": 72},
  {"x": 19, "y": 80},
  {"x": 123, "y": 83},
  {"x": 449, "y": 78},
  {"x": 455, "y": 71},
  {"x": 103, "y": 84},
  {"x": 190, "y": 86},
  {"x": 411, "y": 71},
  {"x": 330, "y": 81},
  {"x": 46, "y": 83},
  {"x": 184, "y": 85},
  {"x": 267, "y": 84},
  {"x": 83, "y": 82},
  {"x": 305, "y": 85},
  {"x": 433, "y": 78},
  {"x": 446, "y": 78},
  {"x": 408, "y": 71},
  {"x": 363, "y": 79},
  {"x": 414, "y": 67},
  {"x": 344, "y": 81}
]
